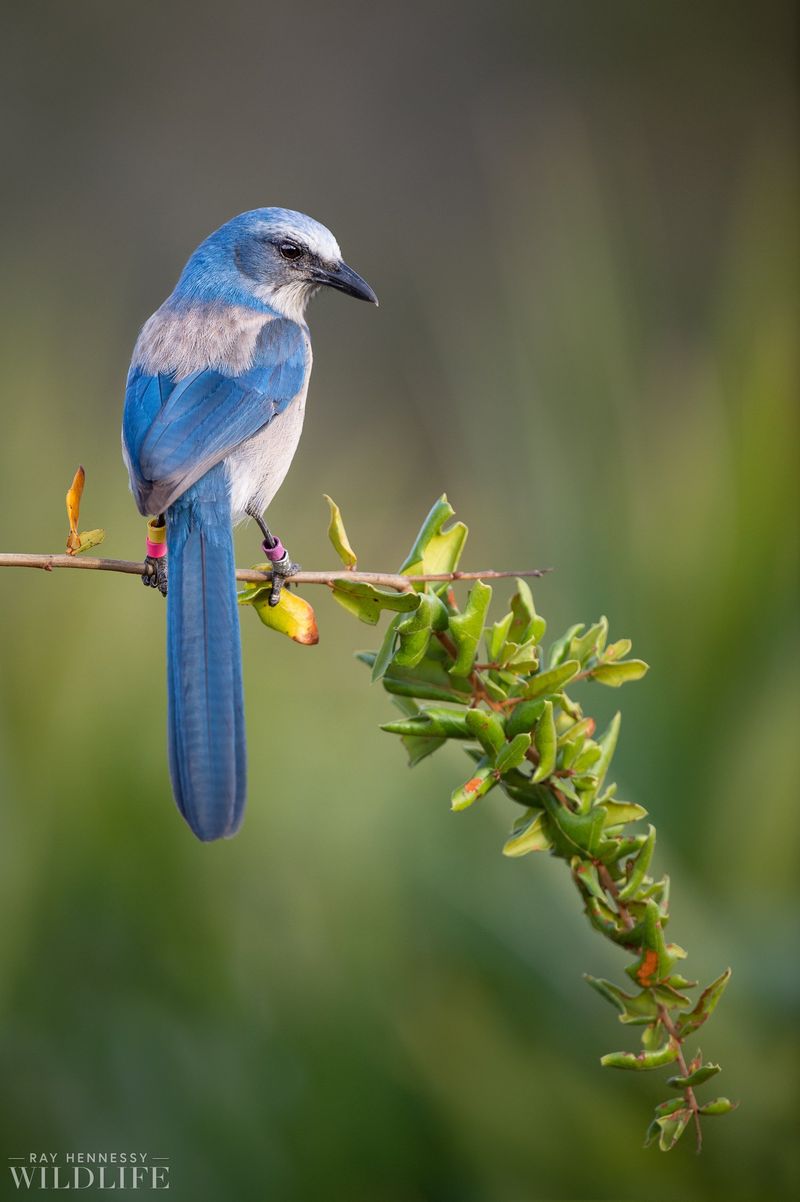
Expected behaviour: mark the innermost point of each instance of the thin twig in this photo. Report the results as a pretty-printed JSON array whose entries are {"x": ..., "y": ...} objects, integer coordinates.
[
  {"x": 610, "y": 886},
  {"x": 395, "y": 580},
  {"x": 688, "y": 1092}
]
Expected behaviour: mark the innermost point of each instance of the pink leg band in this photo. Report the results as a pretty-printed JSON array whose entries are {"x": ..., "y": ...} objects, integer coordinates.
[
  {"x": 275, "y": 553},
  {"x": 155, "y": 550}
]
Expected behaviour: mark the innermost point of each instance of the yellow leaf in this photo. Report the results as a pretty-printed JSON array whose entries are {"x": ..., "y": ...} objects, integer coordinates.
[
  {"x": 88, "y": 539},
  {"x": 292, "y": 616},
  {"x": 338, "y": 535}
]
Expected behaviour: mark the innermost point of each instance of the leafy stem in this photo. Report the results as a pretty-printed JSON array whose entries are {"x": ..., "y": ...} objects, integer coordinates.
[{"x": 512, "y": 710}]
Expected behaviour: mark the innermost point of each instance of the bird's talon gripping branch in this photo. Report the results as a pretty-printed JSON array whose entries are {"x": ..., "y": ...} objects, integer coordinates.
[
  {"x": 282, "y": 568},
  {"x": 157, "y": 578},
  {"x": 276, "y": 553},
  {"x": 156, "y": 558}
]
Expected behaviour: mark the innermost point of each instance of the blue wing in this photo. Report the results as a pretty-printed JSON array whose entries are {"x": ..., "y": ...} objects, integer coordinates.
[{"x": 173, "y": 433}]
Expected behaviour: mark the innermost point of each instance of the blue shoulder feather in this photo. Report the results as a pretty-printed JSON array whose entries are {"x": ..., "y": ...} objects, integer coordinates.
[{"x": 174, "y": 432}]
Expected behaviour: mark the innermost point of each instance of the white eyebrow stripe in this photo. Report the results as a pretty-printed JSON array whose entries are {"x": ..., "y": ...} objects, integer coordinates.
[{"x": 318, "y": 240}]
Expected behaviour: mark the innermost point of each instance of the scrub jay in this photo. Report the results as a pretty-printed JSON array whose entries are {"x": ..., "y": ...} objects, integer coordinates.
[{"x": 213, "y": 413}]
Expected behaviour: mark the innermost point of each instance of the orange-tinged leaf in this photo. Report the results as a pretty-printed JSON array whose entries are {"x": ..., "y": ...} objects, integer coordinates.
[
  {"x": 74, "y": 494},
  {"x": 647, "y": 970}
]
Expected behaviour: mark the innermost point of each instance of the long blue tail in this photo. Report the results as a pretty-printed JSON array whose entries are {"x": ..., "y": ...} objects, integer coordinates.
[{"x": 207, "y": 757}]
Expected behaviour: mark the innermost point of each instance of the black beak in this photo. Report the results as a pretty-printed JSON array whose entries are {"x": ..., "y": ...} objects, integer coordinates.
[{"x": 347, "y": 280}]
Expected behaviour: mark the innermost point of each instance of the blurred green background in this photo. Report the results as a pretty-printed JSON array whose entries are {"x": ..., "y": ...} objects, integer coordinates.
[{"x": 579, "y": 218}]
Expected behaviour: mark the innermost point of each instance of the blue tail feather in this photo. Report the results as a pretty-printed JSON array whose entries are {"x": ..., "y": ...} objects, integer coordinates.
[{"x": 207, "y": 755}]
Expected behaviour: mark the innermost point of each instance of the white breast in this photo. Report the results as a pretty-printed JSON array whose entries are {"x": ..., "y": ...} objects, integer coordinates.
[{"x": 258, "y": 467}]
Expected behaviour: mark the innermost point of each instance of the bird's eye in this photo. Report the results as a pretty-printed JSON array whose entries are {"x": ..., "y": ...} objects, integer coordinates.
[{"x": 290, "y": 250}]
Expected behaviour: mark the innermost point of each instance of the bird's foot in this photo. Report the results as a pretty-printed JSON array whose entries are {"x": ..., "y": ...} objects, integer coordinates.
[
  {"x": 156, "y": 557},
  {"x": 276, "y": 553},
  {"x": 282, "y": 569},
  {"x": 157, "y": 578}
]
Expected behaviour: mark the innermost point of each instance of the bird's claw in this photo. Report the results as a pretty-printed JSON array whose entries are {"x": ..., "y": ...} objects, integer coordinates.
[
  {"x": 158, "y": 577},
  {"x": 282, "y": 569}
]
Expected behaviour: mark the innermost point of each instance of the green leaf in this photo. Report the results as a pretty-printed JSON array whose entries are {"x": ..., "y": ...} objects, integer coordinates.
[
  {"x": 570, "y": 751},
  {"x": 607, "y": 744},
  {"x": 617, "y": 847},
  {"x": 668, "y": 995},
  {"x": 467, "y": 628},
  {"x": 573, "y": 832},
  {"x": 385, "y": 653},
  {"x": 588, "y": 756},
  {"x": 434, "y": 720},
  {"x": 617, "y": 650},
  {"x": 512, "y": 754},
  {"x": 587, "y": 878},
  {"x": 571, "y": 708},
  {"x": 603, "y": 919},
  {"x": 668, "y": 1129},
  {"x": 526, "y": 622},
  {"x": 518, "y": 787},
  {"x": 524, "y": 717},
  {"x": 482, "y": 780},
  {"x": 428, "y": 680},
  {"x": 567, "y": 788},
  {"x": 701, "y": 1074},
  {"x": 252, "y": 591},
  {"x": 719, "y": 1106},
  {"x": 415, "y": 631},
  {"x": 633, "y": 1008},
  {"x": 642, "y": 1060},
  {"x": 486, "y": 729},
  {"x": 620, "y": 812},
  {"x": 552, "y": 680},
  {"x": 413, "y": 645},
  {"x": 706, "y": 1005},
  {"x": 558, "y": 651},
  {"x": 436, "y": 550},
  {"x": 417, "y": 748},
  {"x": 545, "y": 742},
  {"x": 520, "y": 657},
  {"x": 368, "y": 602},
  {"x": 531, "y": 836},
  {"x": 639, "y": 866},
  {"x": 591, "y": 643},
  {"x": 620, "y": 673},
  {"x": 680, "y": 982},
  {"x": 494, "y": 691},
  {"x": 338, "y": 535},
  {"x": 496, "y": 636},
  {"x": 651, "y": 1038},
  {"x": 577, "y": 732},
  {"x": 440, "y": 614}
]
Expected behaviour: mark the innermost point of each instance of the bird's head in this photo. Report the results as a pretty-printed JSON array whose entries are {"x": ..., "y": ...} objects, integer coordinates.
[{"x": 277, "y": 256}]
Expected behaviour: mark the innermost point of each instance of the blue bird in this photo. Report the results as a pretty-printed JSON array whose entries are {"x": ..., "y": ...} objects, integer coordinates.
[{"x": 213, "y": 414}]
